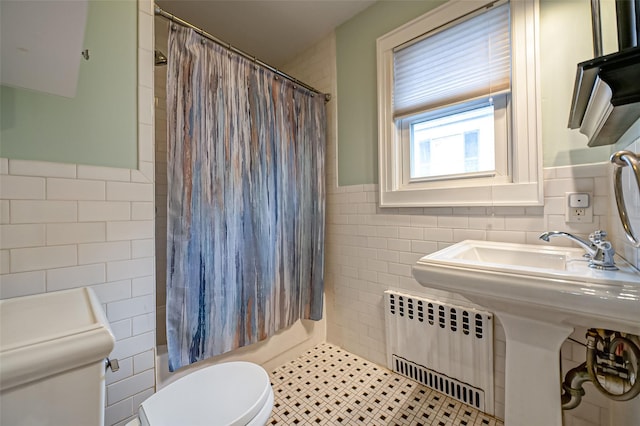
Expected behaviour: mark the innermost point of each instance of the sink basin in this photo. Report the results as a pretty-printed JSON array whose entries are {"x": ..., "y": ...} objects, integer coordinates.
[
  {"x": 539, "y": 293},
  {"x": 553, "y": 284},
  {"x": 500, "y": 257}
]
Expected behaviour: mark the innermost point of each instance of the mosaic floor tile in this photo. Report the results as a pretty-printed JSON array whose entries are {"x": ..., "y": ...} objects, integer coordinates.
[{"x": 330, "y": 386}]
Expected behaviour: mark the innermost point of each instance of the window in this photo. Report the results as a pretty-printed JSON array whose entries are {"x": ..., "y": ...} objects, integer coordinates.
[
  {"x": 451, "y": 143},
  {"x": 458, "y": 107}
]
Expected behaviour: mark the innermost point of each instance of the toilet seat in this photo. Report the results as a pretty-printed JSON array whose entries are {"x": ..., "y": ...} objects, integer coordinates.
[{"x": 233, "y": 393}]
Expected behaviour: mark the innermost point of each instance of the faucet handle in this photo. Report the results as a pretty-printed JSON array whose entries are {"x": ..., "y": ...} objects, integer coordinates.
[
  {"x": 597, "y": 236},
  {"x": 603, "y": 257}
]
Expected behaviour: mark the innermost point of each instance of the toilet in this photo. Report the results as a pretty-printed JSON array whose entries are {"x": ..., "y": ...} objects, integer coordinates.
[{"x": 232, "y": 393}]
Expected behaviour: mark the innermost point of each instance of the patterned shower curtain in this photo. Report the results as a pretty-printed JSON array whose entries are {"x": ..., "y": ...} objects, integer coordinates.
[{"x": 246, "y": 201}]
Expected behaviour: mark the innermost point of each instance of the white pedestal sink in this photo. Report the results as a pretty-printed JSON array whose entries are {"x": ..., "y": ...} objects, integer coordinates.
[{"x": 539, "y": 293}]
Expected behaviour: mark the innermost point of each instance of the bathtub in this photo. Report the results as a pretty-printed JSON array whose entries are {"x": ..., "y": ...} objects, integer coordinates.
[
  {"x": 165, "y": 377},
  {"x": 279, "y": 349}
]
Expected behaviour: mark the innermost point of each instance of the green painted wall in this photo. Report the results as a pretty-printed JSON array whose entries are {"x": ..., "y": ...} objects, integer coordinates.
[
  {"x": 357, "y": 105},
  {"x": 99, "y": 125},
  {"x": 565, "y": 40}
]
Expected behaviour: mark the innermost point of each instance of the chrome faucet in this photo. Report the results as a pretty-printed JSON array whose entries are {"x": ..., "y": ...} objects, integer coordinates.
[{"x": 600, "y": 252}]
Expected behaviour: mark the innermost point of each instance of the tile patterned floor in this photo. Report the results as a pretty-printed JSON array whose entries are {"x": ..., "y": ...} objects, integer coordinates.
[{"x": 330, "y": 386}]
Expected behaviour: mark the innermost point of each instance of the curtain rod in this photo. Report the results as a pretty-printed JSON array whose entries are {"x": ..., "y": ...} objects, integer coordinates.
[{"x": 203, "y": 33}]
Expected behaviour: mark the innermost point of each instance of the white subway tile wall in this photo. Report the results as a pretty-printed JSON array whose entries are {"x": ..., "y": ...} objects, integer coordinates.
[
  {"x": 70, "y": 225},
  {"x": 42, "y": 168},
  {"x": 160, "y": 79},
  {"x": 75, "y": 189},
  {"x": 103, "y": 173}
]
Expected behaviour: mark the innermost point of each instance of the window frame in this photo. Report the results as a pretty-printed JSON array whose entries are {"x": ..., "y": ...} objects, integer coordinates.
[
  {"x": 501, "y": 130},
  {"x": 523, "y": 185}
]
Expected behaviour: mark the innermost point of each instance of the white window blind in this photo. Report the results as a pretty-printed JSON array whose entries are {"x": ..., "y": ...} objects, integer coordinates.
[{"x": 467, "y": 59}]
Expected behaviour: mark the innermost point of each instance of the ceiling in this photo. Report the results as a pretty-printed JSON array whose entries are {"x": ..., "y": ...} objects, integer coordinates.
[{"x": 274, "y": 31}]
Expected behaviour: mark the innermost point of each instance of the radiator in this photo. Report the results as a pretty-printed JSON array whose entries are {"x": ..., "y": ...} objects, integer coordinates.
[{"x": 445, "y": 347}]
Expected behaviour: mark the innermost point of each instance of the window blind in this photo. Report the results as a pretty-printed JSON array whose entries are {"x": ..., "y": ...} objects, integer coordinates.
[{"x": 467, "y": 59}]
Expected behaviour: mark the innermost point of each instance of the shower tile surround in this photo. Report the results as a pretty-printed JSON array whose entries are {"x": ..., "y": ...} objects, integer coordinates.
[
  {"x": 72, "y": 225},
  {"x": 330, "y": 386},
  {"x": 160, "y": 94}
]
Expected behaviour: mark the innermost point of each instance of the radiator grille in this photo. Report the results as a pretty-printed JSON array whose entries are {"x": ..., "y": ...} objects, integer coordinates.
[
  {"x": 443, "y": 384},
  {"x": 446, "y": 347}
]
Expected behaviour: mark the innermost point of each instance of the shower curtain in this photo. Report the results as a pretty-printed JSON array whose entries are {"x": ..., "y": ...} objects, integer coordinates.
[{"x": 246, "y": 201}]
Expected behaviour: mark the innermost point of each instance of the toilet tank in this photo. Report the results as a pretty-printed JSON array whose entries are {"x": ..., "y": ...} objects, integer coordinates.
[{"x": 52, "y": 351}]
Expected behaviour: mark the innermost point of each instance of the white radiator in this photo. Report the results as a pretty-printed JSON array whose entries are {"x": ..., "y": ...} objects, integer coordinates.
[{"x": 446, "y": 347}]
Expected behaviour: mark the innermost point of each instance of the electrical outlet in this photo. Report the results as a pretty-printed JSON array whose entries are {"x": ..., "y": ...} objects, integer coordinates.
[
  {"x": 577, "y": 211},
  {"x": 578, "y": 208}
]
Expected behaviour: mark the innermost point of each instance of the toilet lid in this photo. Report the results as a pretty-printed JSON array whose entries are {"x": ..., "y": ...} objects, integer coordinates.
[{"x": 223, "y": 394}]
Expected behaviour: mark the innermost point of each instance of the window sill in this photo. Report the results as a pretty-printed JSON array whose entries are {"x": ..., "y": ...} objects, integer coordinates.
[{"x": 512, "y": 194}]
